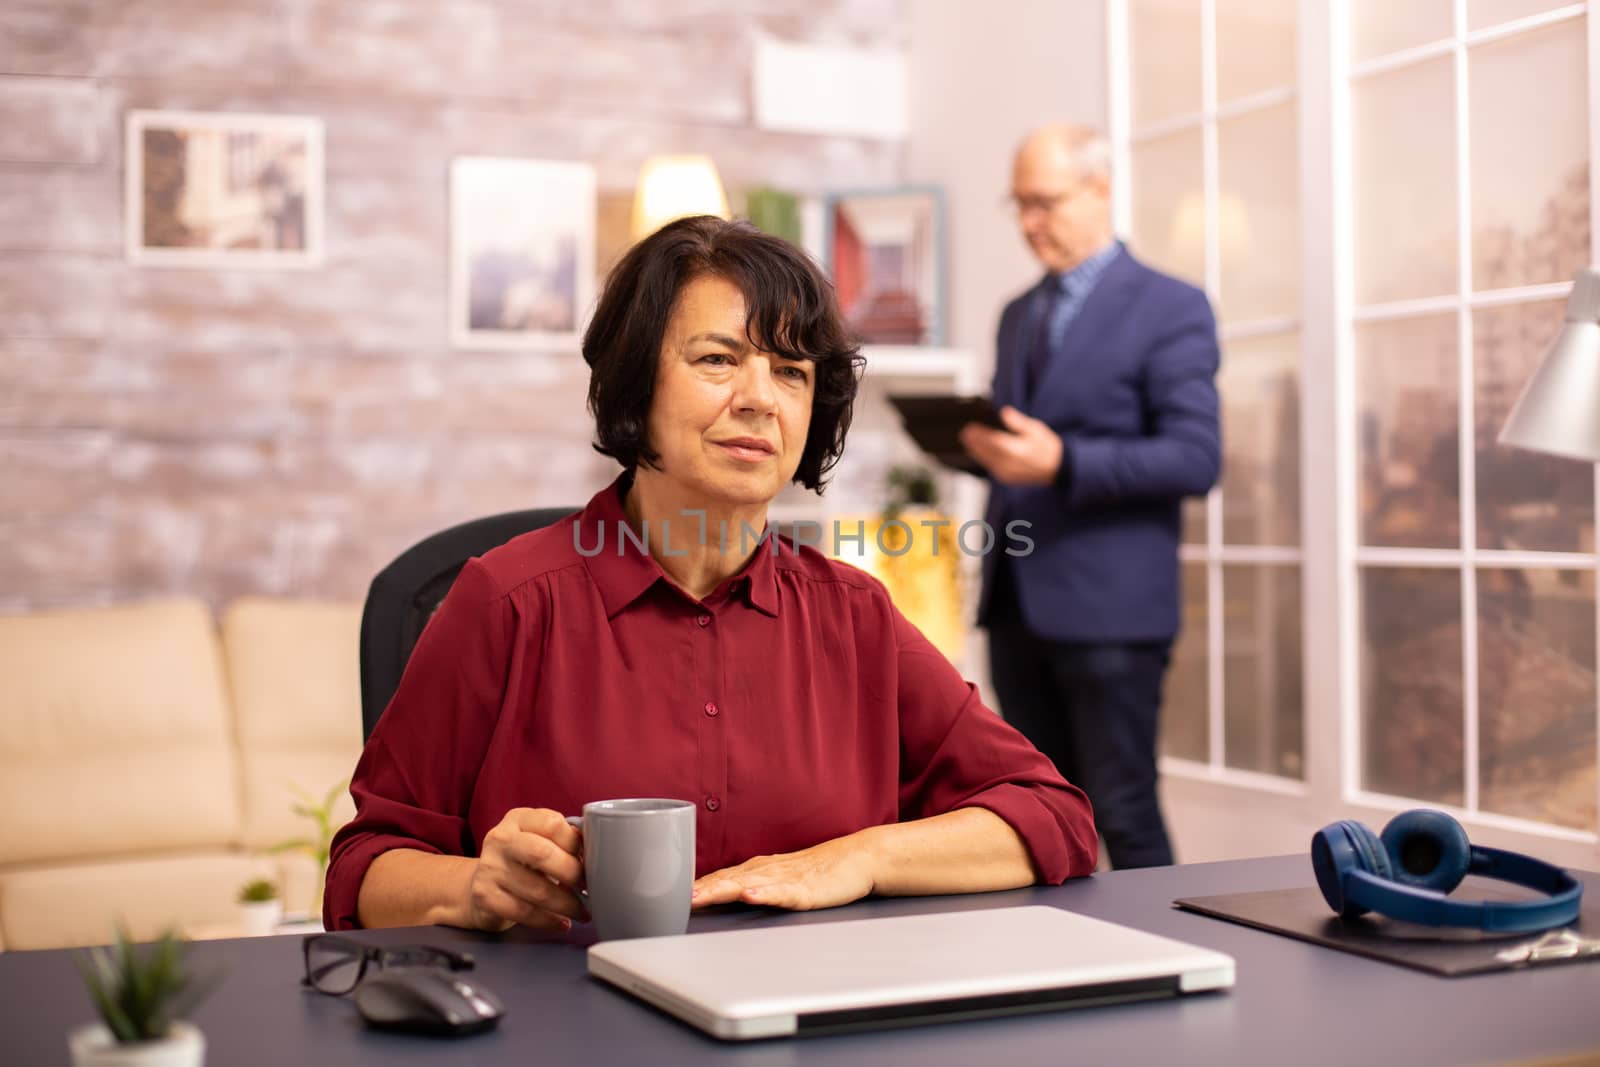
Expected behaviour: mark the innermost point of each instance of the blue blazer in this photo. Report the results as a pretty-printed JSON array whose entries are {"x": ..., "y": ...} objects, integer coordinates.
[{"x": 1131, "y": 390}]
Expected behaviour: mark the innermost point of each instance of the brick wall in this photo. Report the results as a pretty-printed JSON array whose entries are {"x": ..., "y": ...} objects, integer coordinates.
[{"x": 222, "y": 432}]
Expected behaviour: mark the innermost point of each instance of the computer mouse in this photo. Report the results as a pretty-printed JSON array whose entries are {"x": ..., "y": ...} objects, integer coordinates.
[{"x": 430, "y": 1000}]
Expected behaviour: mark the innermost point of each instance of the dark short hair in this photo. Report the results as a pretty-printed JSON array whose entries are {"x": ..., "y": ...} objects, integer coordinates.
[{"x": 793, "y": 313}]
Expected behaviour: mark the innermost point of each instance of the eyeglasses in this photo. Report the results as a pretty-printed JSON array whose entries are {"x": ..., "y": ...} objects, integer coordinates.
[
  {"x": 335, "y": 964},
  {"x": 1041, "y": 202}
]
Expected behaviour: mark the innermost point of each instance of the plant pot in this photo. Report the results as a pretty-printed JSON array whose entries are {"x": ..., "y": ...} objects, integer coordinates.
[
  {"x": 259, "y": 916},
  {"x": 93, "y": 1045},
  {"x": 917, "y": 556}
]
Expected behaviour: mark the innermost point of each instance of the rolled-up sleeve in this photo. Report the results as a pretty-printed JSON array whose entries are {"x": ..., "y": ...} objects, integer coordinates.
[
  {"x": 957, "y": 753},
  {"x": 413, "y": 784}
]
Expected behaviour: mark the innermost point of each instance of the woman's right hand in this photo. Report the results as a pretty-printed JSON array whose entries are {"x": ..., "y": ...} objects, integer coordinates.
[{"x": 528, "y": 872}]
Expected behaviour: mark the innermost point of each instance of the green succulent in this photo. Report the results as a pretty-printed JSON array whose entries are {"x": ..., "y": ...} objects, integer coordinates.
[
  {"x": 257, "y": 892},
  {"x": 909, "y": 486},
  {"x": 317, "y": 845},
  {"x": 139, "y": 992}
]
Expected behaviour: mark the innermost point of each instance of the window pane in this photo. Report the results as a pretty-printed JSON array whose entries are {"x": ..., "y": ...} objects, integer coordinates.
[
  {"x": 1403, "y": 124},
  {"x": 1525, "y": 500},
  {"x": 1261, "y": 670},
  {"x": 1536, "y": 695},
  {"x": 1194, "y": 520},
  {"x": 1259, "y": 215},
  {"x": 1410, "y": 460},
  {"x": 1169, "y": 205},
  {"x": 1183, "y": 705},
  {"x": 1530, "y": 158},
  {"x": 1481, "y": 13},
  {"x": 1255, "y": 46},
  {"x": 1260, "y": 385},
  {"x": 1411, "y": 683},
  {"x": 1164, "y": 59},
  {"x": 1378, "y": 27}
]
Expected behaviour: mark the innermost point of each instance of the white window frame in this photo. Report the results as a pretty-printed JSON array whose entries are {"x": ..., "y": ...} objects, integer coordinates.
[
  {"x": 1218, "y": 811},
  {"x": 1213, "y": 555}
]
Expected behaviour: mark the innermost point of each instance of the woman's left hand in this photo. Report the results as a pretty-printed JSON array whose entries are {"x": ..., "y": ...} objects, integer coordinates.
[{"x": 824, "y": 876}]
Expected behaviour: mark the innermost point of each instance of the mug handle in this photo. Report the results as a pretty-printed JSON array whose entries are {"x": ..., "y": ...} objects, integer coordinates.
[{"x": 577, "y": 821}]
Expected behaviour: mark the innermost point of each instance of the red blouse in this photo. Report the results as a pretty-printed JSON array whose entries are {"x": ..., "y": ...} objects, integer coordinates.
[{"x": 793, "y": 705}]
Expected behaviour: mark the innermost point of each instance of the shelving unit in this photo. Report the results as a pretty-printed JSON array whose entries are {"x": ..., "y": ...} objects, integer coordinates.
[
  {"x": 914, "y": 368},
  {"x": 955, "y": 365},
  {"x": 877, "y": 442}
]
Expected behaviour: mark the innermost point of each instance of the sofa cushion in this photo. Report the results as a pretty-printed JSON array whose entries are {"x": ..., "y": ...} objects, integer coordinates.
[
  {"x": 115, "y": 736},
  {"x": 80, "y": 904},
  {"x": 295, "y": 679}
]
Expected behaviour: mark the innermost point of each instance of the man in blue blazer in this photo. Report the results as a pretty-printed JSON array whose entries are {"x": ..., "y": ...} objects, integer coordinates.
[{"x": 1105, "y": 375}]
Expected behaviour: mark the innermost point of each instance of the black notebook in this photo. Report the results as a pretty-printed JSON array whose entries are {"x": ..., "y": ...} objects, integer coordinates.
[
  {"x": 1448, "y": 951},
  {"x": 934, "y": 423}
]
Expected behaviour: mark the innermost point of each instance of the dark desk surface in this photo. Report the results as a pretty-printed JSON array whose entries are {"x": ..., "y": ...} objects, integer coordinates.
[{"x": 1294, "y": 1003}]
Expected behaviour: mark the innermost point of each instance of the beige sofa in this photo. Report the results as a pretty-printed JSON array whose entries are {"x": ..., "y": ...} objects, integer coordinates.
[{"x": 147, "y": 758}]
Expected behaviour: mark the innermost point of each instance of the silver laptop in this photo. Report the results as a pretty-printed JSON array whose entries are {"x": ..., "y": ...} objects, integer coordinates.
[{"x": 819, "y": 977}]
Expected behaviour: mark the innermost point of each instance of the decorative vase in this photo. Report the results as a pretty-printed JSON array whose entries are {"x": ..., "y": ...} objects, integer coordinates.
[
  {"x": 258, "y": 917},
  {"x": 917, "y": 556},
  {"x": 93, "y": 1045}
]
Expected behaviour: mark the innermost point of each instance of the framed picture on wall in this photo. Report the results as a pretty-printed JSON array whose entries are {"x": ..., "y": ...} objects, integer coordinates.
[
  {"x": 884, "y": 249},
  {"x": 212, "y": 189},
  {"x": 522, "y": 252}
]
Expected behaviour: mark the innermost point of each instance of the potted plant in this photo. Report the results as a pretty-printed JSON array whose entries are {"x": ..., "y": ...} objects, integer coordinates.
[
  {"x": 915, "y": 551},
  {"x": 318, "y": 845},
  {"x": 260, "y": 907},
  {"x": 142, "y": 999}
]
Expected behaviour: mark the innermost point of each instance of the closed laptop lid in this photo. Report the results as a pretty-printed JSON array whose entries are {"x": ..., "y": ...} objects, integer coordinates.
[{"x": 811, "y": 977}]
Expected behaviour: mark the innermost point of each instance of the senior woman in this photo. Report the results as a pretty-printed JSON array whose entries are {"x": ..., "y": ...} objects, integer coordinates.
[{"x": 832, "y": 752}]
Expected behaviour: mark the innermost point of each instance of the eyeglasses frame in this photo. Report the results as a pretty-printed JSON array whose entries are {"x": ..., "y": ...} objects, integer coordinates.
[{"x": 383, "y": 956}]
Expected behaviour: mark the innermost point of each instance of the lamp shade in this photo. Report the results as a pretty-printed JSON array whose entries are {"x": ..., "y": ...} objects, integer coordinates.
[
  {"x": 1559, "y": 410},
  {"x": 671, "y": 187}
]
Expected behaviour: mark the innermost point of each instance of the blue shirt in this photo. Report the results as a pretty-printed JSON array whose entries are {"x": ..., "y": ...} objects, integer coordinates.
[
  {"x": 1074, "y": 287},
  {"x": 1062, "y": 297}
]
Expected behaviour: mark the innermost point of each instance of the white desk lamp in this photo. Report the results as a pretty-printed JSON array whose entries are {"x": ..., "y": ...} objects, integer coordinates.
[{"x": 1559, "y": 410}]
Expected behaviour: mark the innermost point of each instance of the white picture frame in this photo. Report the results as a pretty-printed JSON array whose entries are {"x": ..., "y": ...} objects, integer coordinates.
[
  {"x": 223, "y": 189},
  {"x": 522, "y": 252}
]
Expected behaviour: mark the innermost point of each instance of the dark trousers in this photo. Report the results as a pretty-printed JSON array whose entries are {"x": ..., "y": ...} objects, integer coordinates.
[{"x": 1093, "y": 709}]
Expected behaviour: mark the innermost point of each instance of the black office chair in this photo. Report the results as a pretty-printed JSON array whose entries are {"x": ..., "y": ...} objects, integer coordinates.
[{"x": 405, "y": 594}]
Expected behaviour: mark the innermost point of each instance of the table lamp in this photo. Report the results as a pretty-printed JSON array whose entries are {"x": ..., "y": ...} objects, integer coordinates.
[
  {"x": 671, "y": 187},
  {"x": 1559, "y": 410}
]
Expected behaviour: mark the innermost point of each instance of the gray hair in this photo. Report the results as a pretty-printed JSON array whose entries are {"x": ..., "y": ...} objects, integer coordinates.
[
  {"x": 1087, "y": 150},
  {"x": 1091, "y": 156}
]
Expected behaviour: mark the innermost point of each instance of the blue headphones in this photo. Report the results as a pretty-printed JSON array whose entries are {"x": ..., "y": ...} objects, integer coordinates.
[{"x": 1421, "y": 856}]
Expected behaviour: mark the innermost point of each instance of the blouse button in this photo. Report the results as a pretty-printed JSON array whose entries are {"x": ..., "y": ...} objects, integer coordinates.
[
  {"x": 712, "y": 803},
  {"x": 704, "y": 620},
  {"x": 711, "y": 709}
]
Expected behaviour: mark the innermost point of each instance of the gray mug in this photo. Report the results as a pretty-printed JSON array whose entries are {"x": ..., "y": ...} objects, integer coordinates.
[{"x": 638, "y": 864}]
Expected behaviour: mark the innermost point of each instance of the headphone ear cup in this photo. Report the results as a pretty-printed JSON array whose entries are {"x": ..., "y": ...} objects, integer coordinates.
[
  {"x": 1427, "y": 849},
  {"x": 1339, "y": 848},
  {"x": 1374, "y": 858}
]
